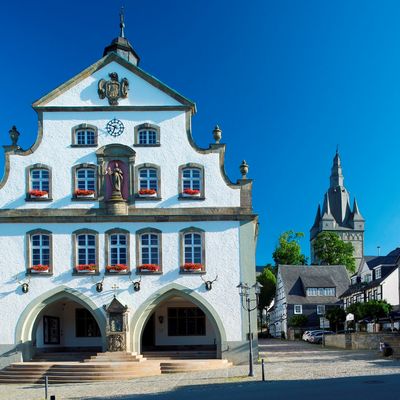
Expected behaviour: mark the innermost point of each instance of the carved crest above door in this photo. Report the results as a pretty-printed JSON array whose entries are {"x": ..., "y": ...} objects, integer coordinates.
[{"x": 113, "y": 89}]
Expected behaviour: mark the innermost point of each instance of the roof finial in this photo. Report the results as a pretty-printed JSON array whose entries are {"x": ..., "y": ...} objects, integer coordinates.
[{"x": 121, "y": 23}]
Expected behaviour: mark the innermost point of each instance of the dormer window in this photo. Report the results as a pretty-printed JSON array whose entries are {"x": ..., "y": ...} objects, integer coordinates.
[
  {"x": 378, "y": 273},
  {"x": 84, "y": 135},
  {"x": 147, "y": 135},
  {"x": 367, "y": 278}
]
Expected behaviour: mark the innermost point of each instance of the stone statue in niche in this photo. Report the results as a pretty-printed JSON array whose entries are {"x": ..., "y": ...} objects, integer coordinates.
[{"x": 117, "y": 178}]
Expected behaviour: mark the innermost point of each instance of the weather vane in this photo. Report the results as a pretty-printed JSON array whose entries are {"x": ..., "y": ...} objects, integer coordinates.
[{"x": 122, "y": 23}]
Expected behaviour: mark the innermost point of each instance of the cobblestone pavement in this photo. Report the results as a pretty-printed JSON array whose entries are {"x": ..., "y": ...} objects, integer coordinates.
[{"x": 289, "y": 361}]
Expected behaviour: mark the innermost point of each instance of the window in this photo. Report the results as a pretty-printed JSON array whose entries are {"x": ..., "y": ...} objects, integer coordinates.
[
  {"x": 39, "y": 244},
  {"x": 84, "y": 181},
  {"x": 353, "y": 280},
  {"x": 298, "y": 309},
  {"x": 367, "y": 278},
  {"x": 148, "y": 250},
  {"x": 321, "y": 310},
  {"x": 186, "y": 321},
  {"x": 85, "y": 243},
  {"x": 40, "y": 179},
  {"x": 148, "y": 179},
  {"x": 147, "y": 182},
  {"x": 84, "y": 135},
  {"x": 193, "y": 250},
  {"x": 321, "y": 291},
  {"x": 378, "y": 273},
  {"x": 85, "y": 324},
  {"x": 118, "y": 249},
  {"x": 117, "y": 254},
  {"x": 147, "y": 135},
  {"x": 191, "y": 183},
  {"x": 191, "y": 179},
  {"x": 38, "y": 182}
]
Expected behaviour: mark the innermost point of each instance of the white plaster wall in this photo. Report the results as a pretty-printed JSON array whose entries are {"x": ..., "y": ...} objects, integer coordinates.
[
  {"x": 161, "y": 330},
  {"x": 222, "y": 258},
  {"x": 55, "y": 151},
  {"x": 141, "y": 93},
  {"x": 390, "y": 288}
]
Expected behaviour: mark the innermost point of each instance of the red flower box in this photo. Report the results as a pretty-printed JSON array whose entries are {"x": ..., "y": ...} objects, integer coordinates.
[
  {"x": 192, "y": 266},
  {"x": 38, "y": 193},
  {"x": 149, "y": 267},
  {"x": 117, "y": 267},
  {"x": 82, "y": 192},
  {"x": 191, "y": 192},
  {"x": 40, "y": 268},
  {"x": 86, "y": 267},
  {"x": 148, "y": 192}
]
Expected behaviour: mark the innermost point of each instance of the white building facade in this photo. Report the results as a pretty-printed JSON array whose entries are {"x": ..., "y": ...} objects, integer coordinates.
[{"x": 115, "y": 199}]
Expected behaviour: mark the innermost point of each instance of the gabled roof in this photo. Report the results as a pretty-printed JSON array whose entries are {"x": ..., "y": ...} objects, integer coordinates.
[
  {"x": 296, "y": 278},
  {"x": 391, "y": 258},
  {"x": 42, "y": 102}
]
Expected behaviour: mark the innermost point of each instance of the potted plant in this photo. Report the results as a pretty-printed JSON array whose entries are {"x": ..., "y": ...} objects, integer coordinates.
[
  {"x": 84, "y": 193},
  {"x": 117, "y": 268},
  {"x": 39, "y": 268},
  {"x": 86, "y": 267},
  {"x": 149, "y": 267},
  {"x": 191, "y": 193},
  {"x": 192, "y": 266},
  {"x": 38, "y": 194}
]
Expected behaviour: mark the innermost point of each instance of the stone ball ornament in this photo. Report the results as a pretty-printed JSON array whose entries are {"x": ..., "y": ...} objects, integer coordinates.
[
  {"x": 217, "y": 133},
  {"x": 244, "y": 169}
]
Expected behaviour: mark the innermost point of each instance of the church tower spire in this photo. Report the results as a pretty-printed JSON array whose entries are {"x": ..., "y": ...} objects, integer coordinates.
[
  {"x": 121, "y": 45},
  {"x": 337, "y": 216},
  {"x": 337, "y": 178}
]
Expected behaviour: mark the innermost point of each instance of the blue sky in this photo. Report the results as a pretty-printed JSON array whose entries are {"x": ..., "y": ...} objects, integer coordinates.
[{"x": 286, "y": 80}]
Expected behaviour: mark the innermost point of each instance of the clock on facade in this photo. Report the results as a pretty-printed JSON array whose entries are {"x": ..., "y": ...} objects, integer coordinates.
[{"x": 115, "y": 127}]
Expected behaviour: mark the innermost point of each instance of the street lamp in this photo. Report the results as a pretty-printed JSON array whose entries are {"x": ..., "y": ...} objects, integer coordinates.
[{"x": 246, "y": 301}]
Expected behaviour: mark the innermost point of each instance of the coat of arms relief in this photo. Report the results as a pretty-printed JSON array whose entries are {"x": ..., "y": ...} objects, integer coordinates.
[{"x": 113, "y": 89}]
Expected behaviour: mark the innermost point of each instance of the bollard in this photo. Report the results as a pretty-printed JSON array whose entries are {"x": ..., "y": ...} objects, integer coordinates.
[
  {"x": 263, "y": 369},
  {"x": 46, "y": 386}
]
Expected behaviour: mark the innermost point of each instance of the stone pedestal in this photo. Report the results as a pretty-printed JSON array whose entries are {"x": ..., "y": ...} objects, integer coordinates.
[{"x": 117, "y": 207}]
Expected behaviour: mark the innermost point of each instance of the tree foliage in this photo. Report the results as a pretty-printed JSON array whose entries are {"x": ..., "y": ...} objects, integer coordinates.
[
  {"x": 288, "y": 250},
  {"x": 331, "y": 250},
  {"x": 267, "y": 279},
  {"x": 373, "y": 309},
  {"x": 335, "y": 316},
  {"x": 297, "y": 321}
]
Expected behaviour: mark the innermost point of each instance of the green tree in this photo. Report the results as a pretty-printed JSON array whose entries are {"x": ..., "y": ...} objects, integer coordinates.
[
  {"x": 374, "y": 309},
  {"x": 331, "y": 250},
  {"x": 268, "y": 280},
  {"x": 297, "y": 321},
  {"x": 335, "y": 316},
  {"x": 288, "y": 250}
]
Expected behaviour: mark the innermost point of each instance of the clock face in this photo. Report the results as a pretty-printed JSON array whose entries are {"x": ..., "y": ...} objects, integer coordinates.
[{"x": 115, "y": 127}]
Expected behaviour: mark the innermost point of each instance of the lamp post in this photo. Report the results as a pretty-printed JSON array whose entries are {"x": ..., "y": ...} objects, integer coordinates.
[{"x": 246, "y": 301}]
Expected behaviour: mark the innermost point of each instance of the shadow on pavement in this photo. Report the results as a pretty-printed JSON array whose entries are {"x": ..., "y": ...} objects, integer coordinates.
[{"x": 365, "y": 387}]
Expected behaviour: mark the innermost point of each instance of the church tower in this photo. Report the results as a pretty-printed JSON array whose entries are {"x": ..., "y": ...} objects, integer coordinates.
[{"x": 337, "y": 215}]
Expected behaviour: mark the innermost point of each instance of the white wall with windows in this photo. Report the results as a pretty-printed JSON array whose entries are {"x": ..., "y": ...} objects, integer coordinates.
[{"x": 221, "y": 249}]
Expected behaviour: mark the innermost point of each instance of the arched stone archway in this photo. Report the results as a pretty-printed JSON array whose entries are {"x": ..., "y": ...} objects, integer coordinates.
[
  {"x": 28, "y": 320},
  {"x": 143, "y": 313}
]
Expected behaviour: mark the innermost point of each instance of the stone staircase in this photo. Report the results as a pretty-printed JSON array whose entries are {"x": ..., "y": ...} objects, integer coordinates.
[
  {"x": 180, "y": 355},
  {"x": 102, "y": 367}
]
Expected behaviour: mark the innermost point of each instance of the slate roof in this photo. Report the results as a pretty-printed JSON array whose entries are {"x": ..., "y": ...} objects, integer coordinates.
[
  {"x": 390, "y": 259},
  {"x": 298, "y": 277},
  {"x": 361, "y": 286}
]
